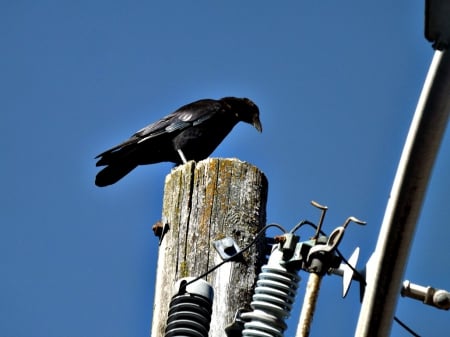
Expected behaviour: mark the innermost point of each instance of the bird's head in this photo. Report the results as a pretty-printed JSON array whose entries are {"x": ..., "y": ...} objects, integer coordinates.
[{"x": 245, "y": 110}]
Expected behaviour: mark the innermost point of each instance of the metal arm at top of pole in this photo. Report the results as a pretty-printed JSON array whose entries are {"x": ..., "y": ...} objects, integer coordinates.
[{"x": 386, "y": 266}]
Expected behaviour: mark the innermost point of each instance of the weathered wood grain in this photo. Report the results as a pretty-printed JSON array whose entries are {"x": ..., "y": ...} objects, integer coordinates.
[{"x": 205, "y": 202}]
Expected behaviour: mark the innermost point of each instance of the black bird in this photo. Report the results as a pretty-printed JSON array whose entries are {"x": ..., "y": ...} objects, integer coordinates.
[{"x": 190, "y": 133}]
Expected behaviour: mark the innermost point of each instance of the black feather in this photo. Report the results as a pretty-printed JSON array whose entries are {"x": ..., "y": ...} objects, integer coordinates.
[{"x": 196, "y": 129}]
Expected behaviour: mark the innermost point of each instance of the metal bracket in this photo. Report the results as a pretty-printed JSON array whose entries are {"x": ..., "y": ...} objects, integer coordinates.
[
  {"x": 235, "y": 328},
  {"x": 226, "y": 247},
  {"x": 437, "y": 298},
  {"x": 347, "y": 271}
]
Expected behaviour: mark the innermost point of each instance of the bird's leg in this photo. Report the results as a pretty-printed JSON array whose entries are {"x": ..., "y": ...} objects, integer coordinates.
[{"x": 181, "y": 154}]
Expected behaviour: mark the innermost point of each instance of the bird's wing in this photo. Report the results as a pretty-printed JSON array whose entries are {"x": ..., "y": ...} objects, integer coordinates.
[{"x": 188, "y": 115}]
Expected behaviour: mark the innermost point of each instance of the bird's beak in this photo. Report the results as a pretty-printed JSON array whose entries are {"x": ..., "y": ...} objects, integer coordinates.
[{"x": 257, "y": 123}]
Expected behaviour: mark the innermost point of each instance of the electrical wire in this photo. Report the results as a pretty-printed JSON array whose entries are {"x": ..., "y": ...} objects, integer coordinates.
[
  {"x": 301, "y": 224},
  {"x": 234, "y": 256},
  {"x": 407, "y": 328}
]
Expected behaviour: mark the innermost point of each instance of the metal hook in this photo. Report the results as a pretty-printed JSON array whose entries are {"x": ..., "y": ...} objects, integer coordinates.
[
  {"x": 322, "y": 216},
  {"x": 353, "y": 219}
]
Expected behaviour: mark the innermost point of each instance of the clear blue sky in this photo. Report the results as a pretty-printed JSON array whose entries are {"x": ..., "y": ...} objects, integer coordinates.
[{"x": 336, "y": 82}]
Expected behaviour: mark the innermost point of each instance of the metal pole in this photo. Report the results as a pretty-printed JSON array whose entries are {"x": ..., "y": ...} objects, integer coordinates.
[{"x": 386, "y": 266}]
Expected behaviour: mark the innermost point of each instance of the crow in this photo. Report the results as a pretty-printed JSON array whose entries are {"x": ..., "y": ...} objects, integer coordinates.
[{"x": 190, "y": 133}]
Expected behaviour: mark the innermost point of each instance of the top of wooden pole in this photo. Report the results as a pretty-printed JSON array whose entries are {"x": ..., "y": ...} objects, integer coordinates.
[{"x": 205, "y": 202}]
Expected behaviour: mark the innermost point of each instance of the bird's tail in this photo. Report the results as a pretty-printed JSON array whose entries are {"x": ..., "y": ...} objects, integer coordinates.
[
  {"x": 113, "y": 173},
  {"x": 118, "y": 161}
]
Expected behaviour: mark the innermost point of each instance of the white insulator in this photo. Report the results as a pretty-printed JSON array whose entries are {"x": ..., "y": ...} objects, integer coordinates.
[{"x": 273, "y": 299}]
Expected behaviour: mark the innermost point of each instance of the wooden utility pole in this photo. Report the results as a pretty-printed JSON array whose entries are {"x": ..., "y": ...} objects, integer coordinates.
[{"x": 205, "y": 202}]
